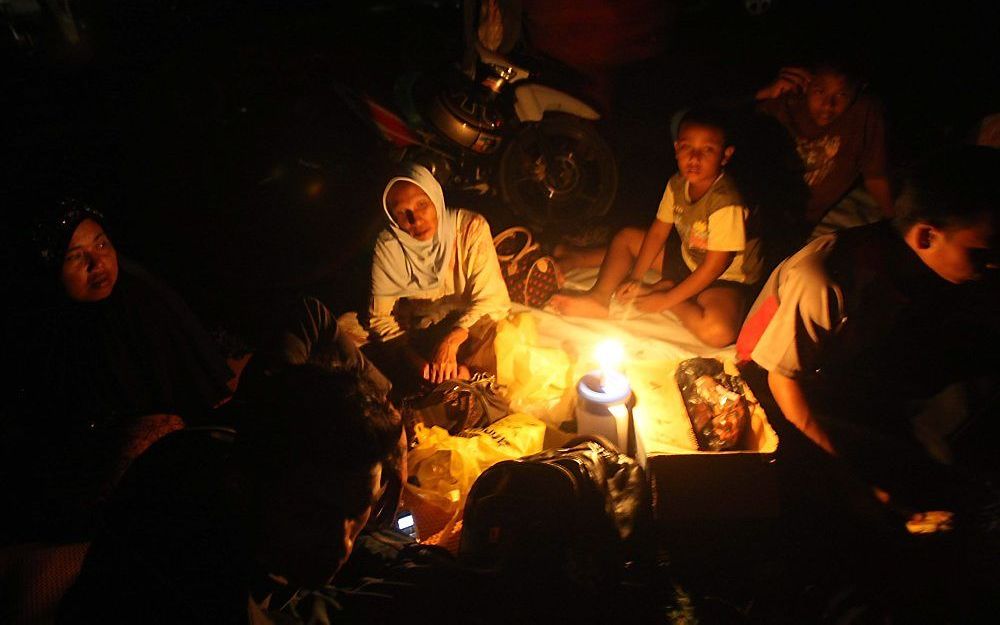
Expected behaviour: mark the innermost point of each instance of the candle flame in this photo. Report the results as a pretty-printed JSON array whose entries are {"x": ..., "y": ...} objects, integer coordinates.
[{"x": 609, "y": 354}]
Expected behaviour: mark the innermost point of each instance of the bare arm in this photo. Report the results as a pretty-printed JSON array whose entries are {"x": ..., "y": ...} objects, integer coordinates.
[
  {"x": 794, "y": 79},
  {"x": 706, "y": 273},
  {"x": 792, "y": 401},
  {"x": 652, "y": 244},
  {"x": 878, "y": 187}
]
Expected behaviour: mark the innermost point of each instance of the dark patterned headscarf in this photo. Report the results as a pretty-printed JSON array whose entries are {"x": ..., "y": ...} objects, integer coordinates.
[{"x": 52, "y": 233}]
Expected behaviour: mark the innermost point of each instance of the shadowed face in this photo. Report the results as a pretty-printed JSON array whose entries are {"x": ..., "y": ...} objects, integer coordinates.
[
  {"x": 311, "y": 524},
  {"x": 701, "y": 153},
  {"x": 90, "y": 266},
  {"x": 828, "y": 96},
  {"x": 412, "y": 210},
  {"x": 958, "y": 254}
]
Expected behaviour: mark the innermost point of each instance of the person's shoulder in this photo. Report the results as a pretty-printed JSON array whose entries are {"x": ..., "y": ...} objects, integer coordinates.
[
  {"x": 676, "y": 184},
  {"x": 466, "y": 216},
  {"x": 383, "y": 242},
  {"x": 803, "y": 284},
  {"x": 865, "y": 107},
  {"x": 472, "y": 224},
  {"x": 138, "y": 282},
  {"x": 727, "y": 192},
  {"x": 384, "y": 236},
  {"x": 131, "y": 272},
  {"x": 183, "y": 486},
  {"x": 130, "y": 267},
  {"x": 807, "y": 267},
  {"x": 184, "y": 455}
]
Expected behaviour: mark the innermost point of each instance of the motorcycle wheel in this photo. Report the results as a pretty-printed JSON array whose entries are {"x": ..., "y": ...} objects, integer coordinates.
[{"x": 558, "y": 170}]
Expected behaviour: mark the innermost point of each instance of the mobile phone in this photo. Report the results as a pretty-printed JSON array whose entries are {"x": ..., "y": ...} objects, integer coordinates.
[{"x": 406, "y": 524}]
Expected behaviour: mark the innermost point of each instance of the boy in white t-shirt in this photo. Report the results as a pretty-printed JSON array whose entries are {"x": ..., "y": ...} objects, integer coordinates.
[{"x": 709, "y": 293}]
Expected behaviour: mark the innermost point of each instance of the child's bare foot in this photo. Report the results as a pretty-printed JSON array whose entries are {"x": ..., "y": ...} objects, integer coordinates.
[{"x": 582, "y": 304}]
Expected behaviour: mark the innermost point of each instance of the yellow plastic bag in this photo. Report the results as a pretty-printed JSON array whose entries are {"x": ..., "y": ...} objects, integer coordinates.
[
  {"x": 442, "y": 469},
  {"x": 536, "y": 377}
]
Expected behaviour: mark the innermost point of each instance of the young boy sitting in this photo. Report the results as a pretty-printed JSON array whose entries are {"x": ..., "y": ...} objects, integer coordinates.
[
  {"x": 720, "y": 261},
  {"x": 839, "y": 135}
]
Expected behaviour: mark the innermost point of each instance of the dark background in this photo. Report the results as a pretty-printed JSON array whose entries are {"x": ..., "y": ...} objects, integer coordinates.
[{"x": 209, "y": 133}]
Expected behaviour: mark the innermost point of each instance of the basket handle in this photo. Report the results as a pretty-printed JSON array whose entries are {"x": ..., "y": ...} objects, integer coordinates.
[{"x": 529, "y": 243}]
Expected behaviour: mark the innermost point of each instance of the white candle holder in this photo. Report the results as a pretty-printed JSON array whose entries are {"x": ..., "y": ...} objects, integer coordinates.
[{"x": 603, "y": 406}]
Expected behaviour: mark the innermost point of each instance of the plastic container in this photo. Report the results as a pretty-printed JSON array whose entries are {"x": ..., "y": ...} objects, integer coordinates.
[{"x": 603, "y": 406}]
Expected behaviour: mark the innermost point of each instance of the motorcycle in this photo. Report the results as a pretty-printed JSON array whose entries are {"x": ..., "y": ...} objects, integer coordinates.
[{"x": 490, "y": 127}]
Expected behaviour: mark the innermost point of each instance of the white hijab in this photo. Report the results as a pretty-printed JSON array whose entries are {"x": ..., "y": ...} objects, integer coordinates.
[{"x": 404, "y": 266}]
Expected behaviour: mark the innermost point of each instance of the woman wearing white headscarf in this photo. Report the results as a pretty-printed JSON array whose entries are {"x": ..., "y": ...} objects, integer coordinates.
[{"x": 437, "y": 290}]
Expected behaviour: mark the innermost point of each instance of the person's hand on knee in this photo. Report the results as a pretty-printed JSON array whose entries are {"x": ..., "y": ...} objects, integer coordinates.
[
  {"x": 439, "y": 372},
  {"x": 444, "y": 365}
]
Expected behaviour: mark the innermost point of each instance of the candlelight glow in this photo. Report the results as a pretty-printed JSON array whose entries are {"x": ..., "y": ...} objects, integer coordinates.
[
  {"x": 609, "y": 354},
  {"x": 618, "y": 411}
]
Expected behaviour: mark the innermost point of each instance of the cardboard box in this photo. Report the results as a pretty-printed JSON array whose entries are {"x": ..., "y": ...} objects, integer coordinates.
[{"x": 690, "y": 485}]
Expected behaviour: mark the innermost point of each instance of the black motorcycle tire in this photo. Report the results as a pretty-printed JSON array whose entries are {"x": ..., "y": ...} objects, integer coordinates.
[{"x": 557, "y": 172}]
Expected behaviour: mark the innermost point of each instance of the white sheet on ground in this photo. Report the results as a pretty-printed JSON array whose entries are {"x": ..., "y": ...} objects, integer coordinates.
[
  {"x": 541, "y": 355},
  {"x": 650, "y": 336}
]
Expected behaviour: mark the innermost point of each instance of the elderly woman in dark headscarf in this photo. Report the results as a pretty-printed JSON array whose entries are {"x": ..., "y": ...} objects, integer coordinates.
[
  {"x": 437, "y": 290},
  {"x": 106, "y": 359}
]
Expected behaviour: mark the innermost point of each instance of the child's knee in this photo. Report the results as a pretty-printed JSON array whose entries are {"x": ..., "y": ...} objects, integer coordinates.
[
  {"x": 630, "y": 238},
  {"x": 717, "y": 333},
  {"x": 630, "y": 234},
  {"x": 720, "y": 337}
]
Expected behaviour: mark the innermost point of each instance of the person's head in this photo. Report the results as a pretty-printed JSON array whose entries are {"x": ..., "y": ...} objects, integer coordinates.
[
  {"x": 72, "y": 240},
  {"x": 702, "y": 147},
  {"x": 311, "y": 454},
  {"x": 414, "y": 201},
  {"x": 832, "y": 90},
  {"x": 947, "y": 212}
]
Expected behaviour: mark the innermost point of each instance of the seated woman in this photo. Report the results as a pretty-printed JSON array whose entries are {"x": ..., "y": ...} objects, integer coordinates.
[
  {"x": 437, "y": 291},
  {"x": 105, "y": 359}
]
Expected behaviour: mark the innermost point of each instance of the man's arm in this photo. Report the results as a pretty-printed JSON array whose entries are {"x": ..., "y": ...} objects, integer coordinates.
[
  {"x": 874, "y": 160},
  {"x": 878, "y": 187},
  {"x": 790, "y": 79},
  {"x": 793, "y": 403},
  {"x": 788, "y": 332}
]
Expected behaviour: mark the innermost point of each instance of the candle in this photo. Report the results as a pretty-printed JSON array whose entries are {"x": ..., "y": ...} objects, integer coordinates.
[{"x": 602, "y": 406}]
